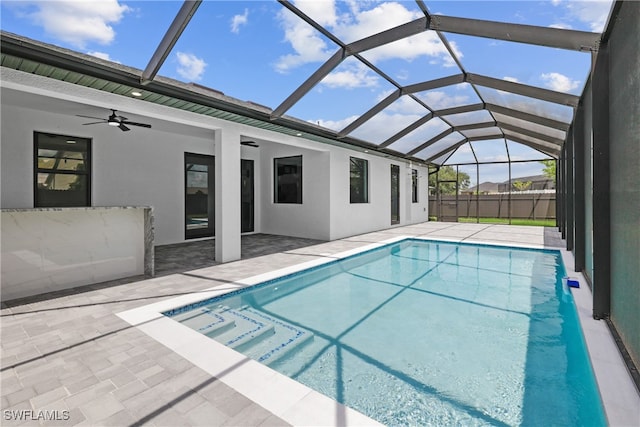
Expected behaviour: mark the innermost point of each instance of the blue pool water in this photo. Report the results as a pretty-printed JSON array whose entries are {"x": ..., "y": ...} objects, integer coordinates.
[{"x": 421, "y": 333}]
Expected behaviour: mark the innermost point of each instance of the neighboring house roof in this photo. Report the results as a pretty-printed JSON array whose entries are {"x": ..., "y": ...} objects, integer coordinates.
[
  {"x": 485, "y": 187},
  {"x": 532, "y": 178}
]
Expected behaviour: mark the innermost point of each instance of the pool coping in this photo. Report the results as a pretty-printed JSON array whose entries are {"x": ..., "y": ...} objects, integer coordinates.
[{"x": 298, "y": 404}]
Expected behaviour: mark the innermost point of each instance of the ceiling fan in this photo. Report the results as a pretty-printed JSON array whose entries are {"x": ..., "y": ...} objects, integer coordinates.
[{"x": 115, "y": 120}]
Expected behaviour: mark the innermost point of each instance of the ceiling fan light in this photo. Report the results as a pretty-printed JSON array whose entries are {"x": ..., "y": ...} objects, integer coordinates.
[{"x": 113, "y": 123}]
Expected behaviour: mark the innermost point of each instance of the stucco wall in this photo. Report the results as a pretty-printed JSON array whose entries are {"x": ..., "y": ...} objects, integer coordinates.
[
  {"x": 145, "y": 166},
  {"x": 357, "y": 218},
  {"x": 135, "y": 168},
  {"x": 309, "y": 219},
  {"x": 624, "y": 142}
]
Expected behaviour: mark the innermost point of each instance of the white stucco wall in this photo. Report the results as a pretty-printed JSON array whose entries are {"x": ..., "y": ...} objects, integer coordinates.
[
  {"x": 145, "y": 167},
  {"x": 309, "y": 219},
  {"x": 348, "y": 219},
  {"x": 142, "y": 167}
]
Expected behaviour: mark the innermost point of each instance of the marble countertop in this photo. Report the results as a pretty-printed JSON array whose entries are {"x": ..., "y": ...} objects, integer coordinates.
[{"x": 80, "y": 208}]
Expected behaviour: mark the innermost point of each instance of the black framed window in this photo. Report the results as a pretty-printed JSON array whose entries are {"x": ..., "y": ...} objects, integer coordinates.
[
  {"x": 358, "y": 180},
  {"x": 287, "y": 176},
  {"x": 62, "y": 170},
  {"x": 414, "y": 186}
]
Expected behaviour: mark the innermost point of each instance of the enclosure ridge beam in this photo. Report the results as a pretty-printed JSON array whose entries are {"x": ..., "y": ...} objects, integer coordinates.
[
  {"x": 413, "y": 126},
  {"x": 524, "y": 90},
  {"x": 458, "y": 110},
  {"x": 310, "y": 83},
  {"x": 320, "y": 28},
  {"x": 516, "y": 114},
  {"x": 531, "y": 133},
  {"x": 446, "y": 150},
  {"x": 430, "y": 142},
  {"x": 388, "y": 36},
  {"x": 169, "y": 39},
  {"x": 581, "y": 41},
  {"x": 390, "y": 99},
  {"x": 552, "y": 151},
  {"x": 471, "y": 126},
  {"x": 485, "y": 137},
  {"x": 434, "y": 84}
]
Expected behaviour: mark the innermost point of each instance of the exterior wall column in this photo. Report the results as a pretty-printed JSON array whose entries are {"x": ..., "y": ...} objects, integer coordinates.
[{"x": 227, "y": 199}]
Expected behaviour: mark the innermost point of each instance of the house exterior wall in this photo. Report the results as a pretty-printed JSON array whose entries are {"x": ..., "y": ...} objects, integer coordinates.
[
  {"x": 145, "y": 167},
  {"x": 309, "y": 219},
  {"x": 128, "y": 168},
  {"x": 350, "y": 219}
]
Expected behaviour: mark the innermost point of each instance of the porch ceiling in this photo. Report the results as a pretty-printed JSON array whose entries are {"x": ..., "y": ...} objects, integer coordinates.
[{"x": 530, "y": 115}]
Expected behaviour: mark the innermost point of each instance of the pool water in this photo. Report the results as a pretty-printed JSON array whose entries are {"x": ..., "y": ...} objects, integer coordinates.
[{"x": 421, "y": 333}]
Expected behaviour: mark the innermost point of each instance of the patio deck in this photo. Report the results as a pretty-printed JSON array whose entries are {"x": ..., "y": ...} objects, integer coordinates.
[{"x": 70, "y": 354}]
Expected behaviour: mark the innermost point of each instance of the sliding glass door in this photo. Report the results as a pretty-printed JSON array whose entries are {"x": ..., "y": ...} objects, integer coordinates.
[
  {"x": 395, "y": 194},
  {"x": 199, "y": 196}
]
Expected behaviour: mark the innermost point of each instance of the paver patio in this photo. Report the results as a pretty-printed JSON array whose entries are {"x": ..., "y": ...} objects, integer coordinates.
[{"x": 69, "y": 354}]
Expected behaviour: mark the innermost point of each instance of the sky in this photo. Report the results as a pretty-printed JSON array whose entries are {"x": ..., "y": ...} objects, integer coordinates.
[{"x": 259, "y": 51}]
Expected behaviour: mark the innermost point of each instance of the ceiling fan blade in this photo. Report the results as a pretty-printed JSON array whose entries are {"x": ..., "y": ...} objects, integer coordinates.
[
  {"x": 123, "y": 127},
  {"x": 90, "y": 117},
  {"x": 94, "y": 123},
  {"x": 143, "y": 125}
]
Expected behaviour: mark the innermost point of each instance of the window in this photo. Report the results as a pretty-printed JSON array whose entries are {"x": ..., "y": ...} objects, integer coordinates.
[
  {"x": 287, "y": 179},
  {"x": 414, "y": 186},
  {"x": 62, "y": 170},
  {"x": 358, "y": 180}
]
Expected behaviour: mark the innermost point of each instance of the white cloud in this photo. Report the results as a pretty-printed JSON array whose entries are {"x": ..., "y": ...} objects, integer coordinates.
[
  {"x": 190, "y": 66},
  {"x": 239, "y": 20},
  {"x": 336, "y": 125},
  {"x": 101, "y": 55},
  {"x": 561, "y": 26},
  {"x": 439, "y": 99},
  {"x": 323, "y": 12},
  {"x": 593, "y": 13},
  {"x": 356, "y": 24},
  {"x": 78, "y": 22},
  {"x": 307, "y": 44},
  {"x": 511, "y": 79},
  {"x": 559, "y": 82},
  {"x": 384, "y": 16},
  {"x": 350, "y": 78}
]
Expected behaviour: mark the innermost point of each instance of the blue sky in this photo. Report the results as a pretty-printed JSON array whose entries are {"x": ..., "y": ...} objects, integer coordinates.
[{"x": 259, "y": 51}]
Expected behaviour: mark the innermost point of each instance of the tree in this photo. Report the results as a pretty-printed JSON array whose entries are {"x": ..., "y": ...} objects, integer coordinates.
[
  {"x": 448, "y": 173},
  {"x": 522, "y": 185},
  {"x": 549, "y": 169}
]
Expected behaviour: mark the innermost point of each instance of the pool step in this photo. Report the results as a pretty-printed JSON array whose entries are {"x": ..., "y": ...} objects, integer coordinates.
[
  {"x": 256, "y": 334},
  {"x": 207, "y": 321},
  {"x": 284, "y": 341}
]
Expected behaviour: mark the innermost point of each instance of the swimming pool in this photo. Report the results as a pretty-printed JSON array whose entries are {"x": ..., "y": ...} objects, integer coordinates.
[{"x": 421, "y": 332}]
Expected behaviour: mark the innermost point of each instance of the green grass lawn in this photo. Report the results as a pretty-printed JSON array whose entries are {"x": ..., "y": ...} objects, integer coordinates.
[{"x": 514, "y": 221}]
